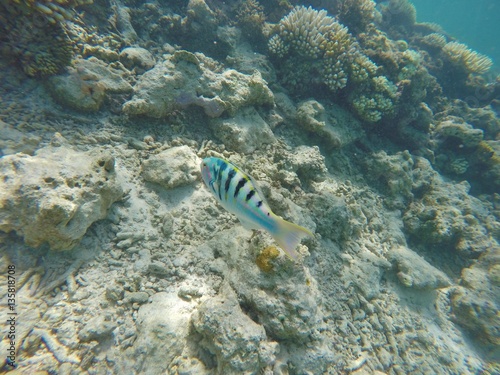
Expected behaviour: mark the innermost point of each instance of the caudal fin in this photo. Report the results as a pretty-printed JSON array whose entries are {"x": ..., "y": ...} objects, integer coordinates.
[{"x": 288, "y": 236}]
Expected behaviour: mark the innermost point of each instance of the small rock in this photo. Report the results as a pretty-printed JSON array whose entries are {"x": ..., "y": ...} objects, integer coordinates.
[
  {"x": 137, "y": 57},
  {"x": 96, "y": 329},
  {"x": 171, "y": 168}
]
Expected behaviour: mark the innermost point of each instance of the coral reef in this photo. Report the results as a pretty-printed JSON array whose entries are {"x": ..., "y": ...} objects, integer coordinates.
[
  {"x": 40, "y": 51},
  {"x": 402, "y": 274},
  {"x": 245, "y": 132},
  {"x": 87, "y": 85},
  {"x": 54, "y": 11},
  {"x": 462, "y": 56},
  {"x": 355, "y": 14},
  {"x": 55, "y": 195},
  {"x": 185, "y": 79},
  {"x": 315, "y": 48},
  {"x": 399, "y": 13},
  {"x": 33, "y": 33},
  {"x": 457, "y": 222}
]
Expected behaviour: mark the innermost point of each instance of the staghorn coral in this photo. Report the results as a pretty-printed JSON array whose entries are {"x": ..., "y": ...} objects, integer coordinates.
[
  {"x": 307, "y": 35},
  {"x": 462, "y": 56}
]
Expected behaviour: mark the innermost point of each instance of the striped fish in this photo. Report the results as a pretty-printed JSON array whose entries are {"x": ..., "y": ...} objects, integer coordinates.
[{"x": 238, "y": 193}]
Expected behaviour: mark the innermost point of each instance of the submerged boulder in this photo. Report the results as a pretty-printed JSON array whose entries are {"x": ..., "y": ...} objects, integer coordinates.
[{"x": 55, "y": 195}]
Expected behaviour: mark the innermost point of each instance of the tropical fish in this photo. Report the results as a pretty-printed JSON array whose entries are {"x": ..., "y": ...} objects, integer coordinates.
[{"x": 238, "y": 193}]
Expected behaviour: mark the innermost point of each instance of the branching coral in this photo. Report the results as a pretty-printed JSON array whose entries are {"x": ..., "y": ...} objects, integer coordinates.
[
  {"x": 251, "y": 18},
  {"x": 39, "y": 43},
  {"x": 434, "y": 40},
  {"x": 356, "y": 14},
  {"x": 316, "y": 49},
  {"x": 309, "y": 35},
  {"x": 41, "y": 51},
  {"x": 459, "y": 54},
  {"x": 52, "y": 10}
]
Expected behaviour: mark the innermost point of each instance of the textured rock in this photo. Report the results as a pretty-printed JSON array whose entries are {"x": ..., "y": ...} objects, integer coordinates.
[
  {"x": 97, "y": 328},
  {"x": 395, "y": 172},
  {"x": 336, "y": 126},
  {"x": 54, "y": 196},
  {"x": 163, "y": 328},
  {"x": 446, "y": 215},
  {"x": 238, "y": 343},
  {"x": 184, "y": 79},
  {"x": 456, "y": 128},
  {"x": 12, "y": 140},
  {"x": 245, "y": 132},
  {"x": 415, "y": 272},
  {"x": 137, "y": 57},
  {"x": 171, "y": 168},
  {"x": 87, "y": 84}
]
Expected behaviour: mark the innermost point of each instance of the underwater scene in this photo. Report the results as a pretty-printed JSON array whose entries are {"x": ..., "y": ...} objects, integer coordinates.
[{"x": 269, "y": 187}]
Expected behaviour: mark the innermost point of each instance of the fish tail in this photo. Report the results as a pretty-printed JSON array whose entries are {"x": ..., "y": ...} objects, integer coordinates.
[{"x": 288, "y": 236}]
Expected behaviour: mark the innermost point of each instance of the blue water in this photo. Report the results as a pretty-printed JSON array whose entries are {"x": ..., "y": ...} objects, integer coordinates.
[{"x": 474, "y": 22}]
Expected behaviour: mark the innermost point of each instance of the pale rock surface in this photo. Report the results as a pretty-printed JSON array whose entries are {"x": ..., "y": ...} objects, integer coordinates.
[
  {"x": 245, "y": 132},
  {"x": 87, "y": 84},
  {"x": 138, "y": 58},
  {"x": 12, "y": 140},
  {"x": 239, "y": 344},
  {"x": 457, "y": 128},
  {"x": 176, "y": 166},
  {"x": 415, "y": 272},
  {"x": 162, "y": 331},
  {"x": 333, "y": 124},
  {"x": 186, "y": 79},
  {"x": 55, "y": 195}
]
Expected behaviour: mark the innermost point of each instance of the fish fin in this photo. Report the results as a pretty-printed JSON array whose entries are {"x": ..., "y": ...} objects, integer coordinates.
[
  {"x": 288, "y": 236},
  {"x": 248, "y": 225}
]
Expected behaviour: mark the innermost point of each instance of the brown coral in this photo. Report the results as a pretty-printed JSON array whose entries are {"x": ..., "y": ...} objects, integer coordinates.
[{"x": 264, "y": 259}]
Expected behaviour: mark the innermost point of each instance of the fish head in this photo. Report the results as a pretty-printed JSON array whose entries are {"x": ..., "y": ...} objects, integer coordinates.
[{"x": 208, "y": 168}]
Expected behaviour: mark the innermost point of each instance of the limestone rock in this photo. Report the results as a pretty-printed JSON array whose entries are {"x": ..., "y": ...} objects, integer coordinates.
[
  {"x": 137, "y": 57},
  {"x": 333, "y": 124},
  {"x": 86, "y": 85},
  {"x": 457, "y": 128},
  {"x": 54, "y": 196},
  {"x": 171, "y": 168},
  {"x": 96, "y": 328},
  {"x": 395, "y": 173},
  {"x": 185, "y": 79},
  {"x": 415, "y": 272},
  {"x": 245, "y": 132},
  {"x": 12, "y": 140},
  {"x": 238, "y": 342},
  {"x": 446, "y": 215},
  {"x": 163, "y": 328}
]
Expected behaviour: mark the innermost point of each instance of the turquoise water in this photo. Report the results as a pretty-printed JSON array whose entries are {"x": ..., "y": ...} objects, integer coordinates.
[{"x": 474, "y": 22}]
